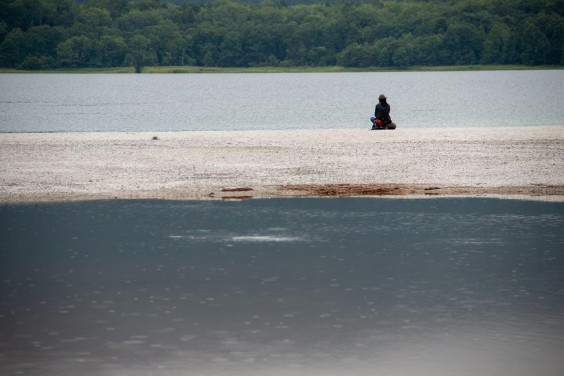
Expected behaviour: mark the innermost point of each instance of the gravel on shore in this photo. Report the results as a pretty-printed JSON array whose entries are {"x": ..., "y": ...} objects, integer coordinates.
[{"x": 503, "y": 161}]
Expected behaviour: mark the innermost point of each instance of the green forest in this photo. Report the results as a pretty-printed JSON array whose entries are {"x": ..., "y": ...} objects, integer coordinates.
[{"x": 52, "y": 34}]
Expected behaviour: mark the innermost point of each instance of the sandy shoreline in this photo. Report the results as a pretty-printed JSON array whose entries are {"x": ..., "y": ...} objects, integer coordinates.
[{"x": 520, "y": 162}]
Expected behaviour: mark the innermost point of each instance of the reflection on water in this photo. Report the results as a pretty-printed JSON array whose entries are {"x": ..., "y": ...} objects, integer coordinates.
[{"x": 278, "y": 287}]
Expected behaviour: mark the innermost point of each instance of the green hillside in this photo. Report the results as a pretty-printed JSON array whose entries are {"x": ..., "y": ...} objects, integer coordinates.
[{"x": 51, "y": 34}]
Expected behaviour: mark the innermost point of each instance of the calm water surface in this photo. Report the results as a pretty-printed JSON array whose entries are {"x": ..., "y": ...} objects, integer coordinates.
[
  {"x": 101, "y": 102},
  {"x": 283, "y": 287}
]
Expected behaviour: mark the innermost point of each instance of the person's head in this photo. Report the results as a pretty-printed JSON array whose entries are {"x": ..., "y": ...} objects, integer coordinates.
[{"x": 382, "y": 98}]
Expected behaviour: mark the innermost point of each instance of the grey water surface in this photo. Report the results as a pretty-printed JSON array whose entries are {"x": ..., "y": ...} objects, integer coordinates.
[
  {"x": 343, "y": 286},
  {"x": 188, "y": 102}
]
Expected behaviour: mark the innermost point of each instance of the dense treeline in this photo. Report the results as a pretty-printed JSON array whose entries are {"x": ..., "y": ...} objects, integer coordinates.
[{"x": 37, "y": 34}]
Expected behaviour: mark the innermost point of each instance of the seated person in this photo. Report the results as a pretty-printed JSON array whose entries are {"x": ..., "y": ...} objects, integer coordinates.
[{"x": 382, "y": 113}]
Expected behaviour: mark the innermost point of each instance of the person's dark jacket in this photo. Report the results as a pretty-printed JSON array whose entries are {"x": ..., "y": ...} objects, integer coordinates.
[{"x": 382, "y": 112}]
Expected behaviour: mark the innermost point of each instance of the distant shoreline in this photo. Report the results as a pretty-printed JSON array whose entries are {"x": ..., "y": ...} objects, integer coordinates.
[
  {"x": 306, "y": 69},
  {"x": 510, "y": 162}
]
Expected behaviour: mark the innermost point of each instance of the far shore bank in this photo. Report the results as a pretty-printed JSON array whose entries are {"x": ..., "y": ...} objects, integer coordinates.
[
  {"x": 515, "y": 162},
  {"x": 268, "y": 69}
]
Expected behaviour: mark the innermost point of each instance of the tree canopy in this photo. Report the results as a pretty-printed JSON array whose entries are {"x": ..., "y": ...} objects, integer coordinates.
[{"x": 38, "y": 34}]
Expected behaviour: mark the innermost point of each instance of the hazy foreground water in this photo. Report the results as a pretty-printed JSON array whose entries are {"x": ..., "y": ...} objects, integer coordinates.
[
  {"x": 283, "y": 286},
  {"x": 181, "y": 102}
]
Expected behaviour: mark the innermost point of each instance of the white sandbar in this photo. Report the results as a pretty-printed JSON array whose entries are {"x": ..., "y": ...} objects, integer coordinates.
[{"x": 203, "y": 165}]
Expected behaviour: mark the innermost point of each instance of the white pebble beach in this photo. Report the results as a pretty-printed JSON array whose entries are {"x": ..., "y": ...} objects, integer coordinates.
[{"x": 515, "y": 162}]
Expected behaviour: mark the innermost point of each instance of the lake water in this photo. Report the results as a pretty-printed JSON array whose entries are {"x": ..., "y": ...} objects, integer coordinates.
[
  {"x": 283, "y": 287},
  {"x": 181, "y": 102}
]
